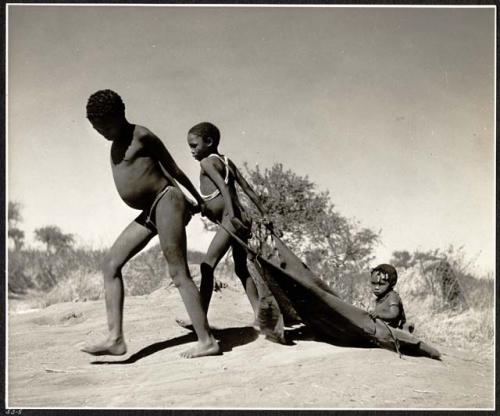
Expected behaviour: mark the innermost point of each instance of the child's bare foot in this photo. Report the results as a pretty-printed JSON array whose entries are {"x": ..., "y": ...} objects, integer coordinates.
[
  {"x": 108, "y": 347},
  {"x": 185, "y": 324},
  {"x": 202, "y": 350}
]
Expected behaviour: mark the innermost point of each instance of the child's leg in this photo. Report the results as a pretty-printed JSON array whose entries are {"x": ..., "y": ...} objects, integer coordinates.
[
  {"x": 218, "y": 247},
  {"x": 133, "y": 239},
  {"x": 170, "y": 216},
  {"x": 241, "y": 270}
]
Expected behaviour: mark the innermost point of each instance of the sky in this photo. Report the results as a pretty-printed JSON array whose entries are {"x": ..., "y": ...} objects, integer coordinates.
[{"x": 389, "y": 109}]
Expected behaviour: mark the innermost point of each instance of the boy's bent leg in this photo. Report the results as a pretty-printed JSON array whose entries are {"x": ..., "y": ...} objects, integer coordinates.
[
  {"x": 170, "y": 214},
  {"x": 133, "y": 239},
  {"x": 218, "y": 247}
]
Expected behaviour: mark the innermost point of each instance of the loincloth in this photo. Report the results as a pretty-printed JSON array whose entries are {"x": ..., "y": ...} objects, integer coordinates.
[{"x": 147, "y": 217}]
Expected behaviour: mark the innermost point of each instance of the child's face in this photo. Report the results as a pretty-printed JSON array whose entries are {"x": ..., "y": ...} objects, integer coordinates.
[
  {"x": 380, "y": 284},
  {"x": 108, "y": 127},
  {"x": 200, "y": 148}
]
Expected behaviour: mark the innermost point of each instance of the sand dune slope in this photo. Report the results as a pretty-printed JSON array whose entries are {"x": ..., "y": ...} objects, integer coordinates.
[{"x": 46, "y": 369}]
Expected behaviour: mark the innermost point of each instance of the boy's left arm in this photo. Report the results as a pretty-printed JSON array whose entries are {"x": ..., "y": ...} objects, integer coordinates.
[
  {"x": 245, "y": 186},
  {"x": 168, "y": 163}
]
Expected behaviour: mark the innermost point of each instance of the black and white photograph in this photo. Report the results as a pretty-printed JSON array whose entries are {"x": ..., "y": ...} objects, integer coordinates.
[{"x": 266, "y": 207}]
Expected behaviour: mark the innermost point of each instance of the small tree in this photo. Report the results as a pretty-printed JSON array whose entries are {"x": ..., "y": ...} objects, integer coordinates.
[
  {"x": 14, "y": 218},
  {"x": 332, "y": 245},
  {"x": 54, "y": 239},
  {"x": 401, "y": 259}
]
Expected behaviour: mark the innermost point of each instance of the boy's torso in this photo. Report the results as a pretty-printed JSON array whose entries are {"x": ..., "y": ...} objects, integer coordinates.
[
  {"x": 136, "y": 172},
  {"x": 215, "y": 206}
]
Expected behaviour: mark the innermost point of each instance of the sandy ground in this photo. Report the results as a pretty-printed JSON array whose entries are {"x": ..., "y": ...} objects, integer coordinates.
[{"x": 46, "y": 369}]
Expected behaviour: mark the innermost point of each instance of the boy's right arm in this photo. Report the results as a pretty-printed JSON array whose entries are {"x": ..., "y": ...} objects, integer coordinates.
[{"x": 168, "y": 163}]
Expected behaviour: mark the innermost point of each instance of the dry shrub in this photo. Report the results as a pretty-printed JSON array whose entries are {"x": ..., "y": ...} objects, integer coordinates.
[
  {"x": 74, "y": 274},
  {"x": 436, "y": 322},
  {"x": 41, "y": 270},
  {"x": 79, "y": 286},
  {"x": 469, "y": 329},
  {"x": 148, "y": 271}
]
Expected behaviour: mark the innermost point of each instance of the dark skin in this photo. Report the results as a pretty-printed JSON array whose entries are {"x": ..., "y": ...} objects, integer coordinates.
[
  {"x": 139, "y": 161},
  {"x": 227, "y": 210},
  {"x": 380, "y": 288}
]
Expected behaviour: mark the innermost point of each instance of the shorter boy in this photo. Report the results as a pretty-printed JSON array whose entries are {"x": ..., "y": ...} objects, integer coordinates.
[
  {"x": 218, "y": 179},
  {"x": 388, "y": 304}
]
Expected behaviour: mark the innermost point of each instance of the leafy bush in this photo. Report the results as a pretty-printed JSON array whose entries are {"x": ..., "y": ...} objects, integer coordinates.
[{"x": 335, "y": 247}]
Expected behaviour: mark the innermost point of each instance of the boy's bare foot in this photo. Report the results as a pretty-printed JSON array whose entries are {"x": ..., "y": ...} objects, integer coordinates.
[
  {"x": 202, "y": 350},
  {"x": 108, "y": 347},
  {"x": 185, "y": 324}
]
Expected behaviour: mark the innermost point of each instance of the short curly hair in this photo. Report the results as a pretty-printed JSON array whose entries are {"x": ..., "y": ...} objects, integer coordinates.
[
  {"x": 389, "y": 272},
  {"x": 206, "y": 130},
  {"x": 105, "y": 103}
]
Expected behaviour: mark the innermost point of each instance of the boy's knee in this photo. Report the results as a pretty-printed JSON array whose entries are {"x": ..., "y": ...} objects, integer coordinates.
[
  {"x": 110, "y": 267},
  {"x": 173, "y": 253},
  {"x": 178, "y": 274},
  {"x": 206, "y": 270},
  {"x": 175, "y": 274},
  {"x": 176, "y": 264}
]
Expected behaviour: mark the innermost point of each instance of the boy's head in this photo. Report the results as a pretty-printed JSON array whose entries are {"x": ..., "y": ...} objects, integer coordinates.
[
  {"x": 383, "y": 279},
  {"x": 106, "y": 113},
  {"x": 203, "y": 139}
]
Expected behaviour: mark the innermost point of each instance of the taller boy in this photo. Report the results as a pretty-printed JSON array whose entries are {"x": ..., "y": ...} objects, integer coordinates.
[{"x": 144, "y": 174}]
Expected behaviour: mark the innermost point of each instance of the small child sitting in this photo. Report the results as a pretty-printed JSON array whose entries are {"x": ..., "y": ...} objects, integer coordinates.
[{"x": 388, "y": 304}]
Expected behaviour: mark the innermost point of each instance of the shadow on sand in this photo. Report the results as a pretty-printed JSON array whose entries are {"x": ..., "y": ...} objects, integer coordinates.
[
  {"x": 229, "y": 338},
  {"x": 305, "y": 333}
]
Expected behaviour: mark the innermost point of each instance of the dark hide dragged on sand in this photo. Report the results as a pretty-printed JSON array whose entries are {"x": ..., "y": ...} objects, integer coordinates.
[{"x": 301, "y": 296}]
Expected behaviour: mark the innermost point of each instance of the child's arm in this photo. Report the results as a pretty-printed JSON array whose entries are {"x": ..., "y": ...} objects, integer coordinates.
[
  {"x": 245, "y": 186},
  {"x": 168, "y": 164},
  {"x": 391, "y": 309},
  {"x": 210, "y": 170},
  {"x": 388, "y": 314}
]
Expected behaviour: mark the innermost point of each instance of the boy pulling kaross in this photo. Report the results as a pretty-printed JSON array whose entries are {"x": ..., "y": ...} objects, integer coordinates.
[
  {"x": 218, "y": 177},
  {"x": 142, "y": 171}
]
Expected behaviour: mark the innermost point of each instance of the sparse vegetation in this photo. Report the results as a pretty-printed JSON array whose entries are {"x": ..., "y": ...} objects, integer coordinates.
[
  {"x": 446, "y": 300},
  {"x": 62, "y": 272}
]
